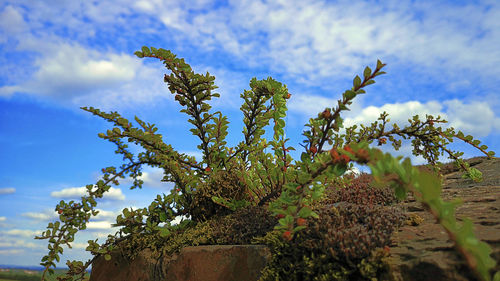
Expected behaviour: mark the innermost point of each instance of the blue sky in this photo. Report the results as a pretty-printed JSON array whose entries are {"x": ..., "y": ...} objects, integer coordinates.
[{"x": 442, "y": 59}]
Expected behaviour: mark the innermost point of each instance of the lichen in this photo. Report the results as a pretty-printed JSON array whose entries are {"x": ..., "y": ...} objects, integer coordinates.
[{"x": 414, "y": 220}]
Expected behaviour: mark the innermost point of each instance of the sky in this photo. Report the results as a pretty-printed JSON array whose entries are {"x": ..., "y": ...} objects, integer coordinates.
[{"x": 57, "y": 56}]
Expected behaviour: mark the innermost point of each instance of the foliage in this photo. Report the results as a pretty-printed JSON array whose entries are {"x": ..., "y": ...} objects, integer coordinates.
[{"x": 229, "y": 179}]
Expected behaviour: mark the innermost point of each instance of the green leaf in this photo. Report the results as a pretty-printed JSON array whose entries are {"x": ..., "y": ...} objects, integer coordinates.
[
  {"x": 163, "y": 217},
  {"x": 300, "y": 227},
  {"x": 145, "y": 51},
  {"x": 107, "y": 257},
  {"x": 367, "y": 72},
  {"x": 369, "y": 82},
  {"x": 350, "y": 94},
  {"x": 305, "y": 212},
  {"x": 356, "y": 82},
  {"x": 303, "y": 177},
  {"x": 139, "y": 54},
  {"x": 379, "y": 64},
  {"x": 164, "y": 232}
]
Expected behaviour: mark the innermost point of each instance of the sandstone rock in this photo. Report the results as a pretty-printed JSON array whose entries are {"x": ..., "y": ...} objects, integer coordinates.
[
  {"x": 424, "y": 251},
  {"x": 207, "y": 263},
  {"x": 419, "y": 252}
]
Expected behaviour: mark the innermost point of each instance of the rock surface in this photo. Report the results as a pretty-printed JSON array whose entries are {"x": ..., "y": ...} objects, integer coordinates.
[
  {"x": 424, "y": 252},
  {"x": 420, "y": 252},
  {"x": 201, "y": 263}
]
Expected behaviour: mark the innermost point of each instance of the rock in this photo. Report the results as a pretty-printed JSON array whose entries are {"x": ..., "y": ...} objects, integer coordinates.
[
  {"x": 424, "y": 252},
  {"x": 418, "y": 252},
  {"x": 207, "y": 263}
]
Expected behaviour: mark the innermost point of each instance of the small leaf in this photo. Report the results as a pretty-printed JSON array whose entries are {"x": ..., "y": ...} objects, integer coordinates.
[
  {"x": 107, "y": 257},
  {"x": 369, "y": 82},
  {"x": 139, "y": 54},
  {"x": 356, "y": 82},
  {"x": 305, "y": 212},
  {"x": 350, "y": 94},
  {"x": 367, "y": 72}
]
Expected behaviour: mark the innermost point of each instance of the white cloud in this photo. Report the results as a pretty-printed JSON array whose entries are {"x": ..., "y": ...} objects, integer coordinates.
[
  {"x": 3, "y": 219},
  {"x": 11, "y": 22},
  {"x": 76, "y": 192},
  {"x": 474, "y": 118},
  {"x": 104, "y": 234},
  {"x": 74, "y": 75},
  {"x": 42, "y": 216},
  {"x": 328, "y": 39},
  {"x": 72, "y": 70},
  {"x": 9, "y": 242},
  {"x": 8, "y": 252},
  {"x": 324, "y": 39},
  {"x": 99, "y": 225},
  {"x": 75, "y": 245},
  {"x": 7, "y": 190},
  {"x": 104, "y": 215},
  {"x": 21, "y": 232}
]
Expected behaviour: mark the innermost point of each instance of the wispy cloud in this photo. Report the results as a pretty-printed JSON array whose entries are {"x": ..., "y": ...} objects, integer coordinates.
[
  {"x": 77, "y": 192},
  {"x": 21, "y": 232},
  {"x": 3, "y": 219},
  {"x": 11, "y": 251},
  {"x": 41, "y": 216},
  {"x": 7, "y": 190},
  {"x": 324, "y": 39},
  {"x": 12, "y": 242}
]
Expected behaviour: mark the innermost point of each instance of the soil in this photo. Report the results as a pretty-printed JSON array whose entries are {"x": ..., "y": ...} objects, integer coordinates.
[{"x": 424, "y": 252}]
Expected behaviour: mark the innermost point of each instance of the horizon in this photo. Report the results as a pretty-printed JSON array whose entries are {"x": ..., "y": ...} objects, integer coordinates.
[{"x": 58, "y": 58}]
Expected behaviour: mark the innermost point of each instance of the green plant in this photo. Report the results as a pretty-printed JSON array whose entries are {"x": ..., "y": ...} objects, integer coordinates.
[{"x": 229, "y": 179}]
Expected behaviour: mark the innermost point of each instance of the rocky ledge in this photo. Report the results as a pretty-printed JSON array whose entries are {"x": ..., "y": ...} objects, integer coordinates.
[
  {"x": 418, "y": 252},
  {"x": 424, "y": 251}
]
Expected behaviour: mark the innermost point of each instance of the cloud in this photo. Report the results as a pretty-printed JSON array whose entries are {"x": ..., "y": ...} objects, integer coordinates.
[
  {"x": 75, "y": 75},
  {"x": 79, "y": 245},
  {"x": 328, "y": 39},
  {"x": 72, "y": 70},
  {"x": 9, "y": 252},
  {"x": 99, "y": 225},
  {"x": 9, "y": 242},
  {"x": 7, "y": 190},
  {"x": 21, "y": 232},
  {"x": 474, "y": 118},
  {"x": 77, "y": 192},
  {"x": 42, "y": 216},
  {"x": 324, "y": 39},
  {"x": 104, "y": 215},
  {"x": 3, "y": 219},
  {"x": 11, "y": 22}
]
